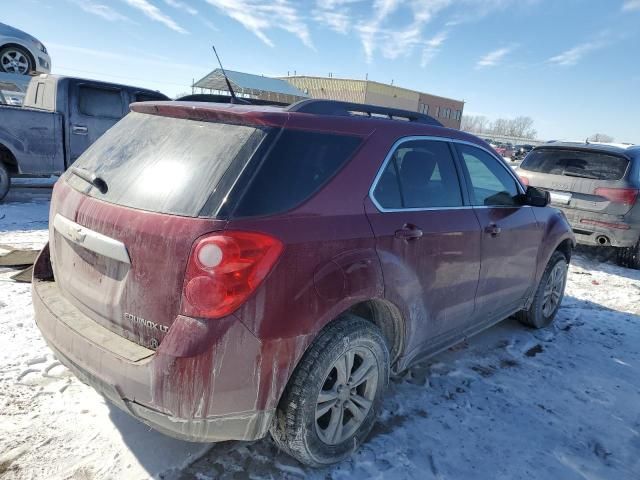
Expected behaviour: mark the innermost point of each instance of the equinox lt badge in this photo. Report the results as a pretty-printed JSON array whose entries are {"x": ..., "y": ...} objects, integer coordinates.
[{"x": 147, "y": 323}]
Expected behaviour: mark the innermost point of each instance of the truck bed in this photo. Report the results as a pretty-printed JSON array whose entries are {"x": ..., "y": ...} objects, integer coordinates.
[{"x": 34, "y": 138}]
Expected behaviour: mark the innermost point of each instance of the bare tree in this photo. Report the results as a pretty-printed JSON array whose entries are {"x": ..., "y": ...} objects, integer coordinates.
[
  {"x": 474, "y": 123},
  {"x": 600, "y": 137},
  {"x": 517, "y": 127},
  {"x": 522, "y": 127}
]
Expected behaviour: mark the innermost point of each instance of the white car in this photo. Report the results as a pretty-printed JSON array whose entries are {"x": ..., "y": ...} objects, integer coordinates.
[{"x": 21, "y": 53}]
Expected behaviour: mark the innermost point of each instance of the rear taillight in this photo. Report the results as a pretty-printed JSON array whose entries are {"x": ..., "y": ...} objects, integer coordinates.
[
  {"x": 224, "y": 269},
  {"x": 625, "y": 196},
  {"x": 524, "y": 180}
]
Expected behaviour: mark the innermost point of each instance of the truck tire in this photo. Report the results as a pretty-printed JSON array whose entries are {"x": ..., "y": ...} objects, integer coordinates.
[
  {"x": 5, "y": 181},
  {"x": 549, "y": 294},
  {"x": 630, "y": 257},
  {"x": 333, "y": 397}
]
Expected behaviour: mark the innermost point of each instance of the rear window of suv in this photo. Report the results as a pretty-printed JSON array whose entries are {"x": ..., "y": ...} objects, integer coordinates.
[
  {"x": 576, "y": 163},
  {"x": 295, "y": 168},
  {"x": 163, "y": 164}
]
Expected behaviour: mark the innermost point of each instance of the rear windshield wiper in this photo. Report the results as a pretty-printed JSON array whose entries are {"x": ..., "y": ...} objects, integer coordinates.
[
  {"x": 91, "y": 178},
  {"x": 581, "y": 175}
]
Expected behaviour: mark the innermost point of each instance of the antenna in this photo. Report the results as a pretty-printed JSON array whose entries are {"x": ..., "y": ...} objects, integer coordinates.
[{"x": 234, "y": 99}]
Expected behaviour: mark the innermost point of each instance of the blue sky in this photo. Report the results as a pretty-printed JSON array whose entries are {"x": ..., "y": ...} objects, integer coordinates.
[{"x": 572, "y": 65}]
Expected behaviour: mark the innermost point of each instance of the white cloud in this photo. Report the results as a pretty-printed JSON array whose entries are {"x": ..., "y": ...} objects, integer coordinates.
[
  {"x": 182, "y": 6},
  {"x": 432, "y": 48},
  {"x": 493, "y": 58},
  {"x": 574, "y": 55},
  {"x": 152, "y": 12},
  {"x": 335, "y": 14},
  {"x": 100, "y": 10},
  {"x": 259, "y": 16},
  {"x": 631, "y": 5}
]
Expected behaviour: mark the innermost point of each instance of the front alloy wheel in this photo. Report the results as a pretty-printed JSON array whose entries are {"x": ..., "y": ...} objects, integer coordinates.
[
  {"x": 15, "y": 60},
  {"x": 549, "y": 294},
  {"x": 554, "y": 289}
]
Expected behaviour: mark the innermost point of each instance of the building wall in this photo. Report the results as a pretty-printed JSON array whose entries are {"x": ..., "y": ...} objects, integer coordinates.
[
  {"x": 330, "y": 88},
  {"x": 391, "y": 96},
  {"x": 446, "y": 110}
]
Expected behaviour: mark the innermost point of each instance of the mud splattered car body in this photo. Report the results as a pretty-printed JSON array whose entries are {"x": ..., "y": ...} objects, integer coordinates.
[{"x": 126, "y": 292}]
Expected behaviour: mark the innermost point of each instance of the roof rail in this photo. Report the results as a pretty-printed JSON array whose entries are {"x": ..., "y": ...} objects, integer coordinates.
[{"x": 347, "y": 109}]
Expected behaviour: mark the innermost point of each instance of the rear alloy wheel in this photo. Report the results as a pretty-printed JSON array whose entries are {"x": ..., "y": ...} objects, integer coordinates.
[
  {"x": 333, "y": 397},
  {"x": 630, "y": 257},
  {"x": 5, "y": 181},
  {"x": 549, "y": 295},
  {"x": 16, "y": 60}
]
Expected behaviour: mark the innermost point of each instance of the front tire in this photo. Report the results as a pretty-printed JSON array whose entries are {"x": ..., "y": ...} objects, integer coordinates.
[
  {"x": 630, "y": 257},
  {"x": 16, "y": 60},
  {"x": 333, "y": 397},
  {"x": 549, "y": 294},
  {"x": 5, "y": 181}
]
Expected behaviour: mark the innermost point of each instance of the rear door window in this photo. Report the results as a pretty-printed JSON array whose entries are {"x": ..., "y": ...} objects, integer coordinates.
[
  {"x": 100, "y": 102},
  {"x": 576, "y": 163},
  {"x": 420, "y": 174},
  {"x": 295, "y": 168},
  {"x": 164, "y": 164}
]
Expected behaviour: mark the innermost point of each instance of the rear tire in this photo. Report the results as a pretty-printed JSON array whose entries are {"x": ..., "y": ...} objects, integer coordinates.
[
  {"x": 5, "y": 181},
  {"x": 333, "y": 397},
  {"x": 630, "y": 257},
  {"x": 549, "y": 294}
]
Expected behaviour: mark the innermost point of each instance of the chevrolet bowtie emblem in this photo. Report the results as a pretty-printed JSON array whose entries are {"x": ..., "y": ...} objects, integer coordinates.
[{"x": 77, "y": 235}]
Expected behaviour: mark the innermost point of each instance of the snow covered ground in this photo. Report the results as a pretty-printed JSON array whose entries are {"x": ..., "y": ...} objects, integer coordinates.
[{"x": 562, "y": 403}]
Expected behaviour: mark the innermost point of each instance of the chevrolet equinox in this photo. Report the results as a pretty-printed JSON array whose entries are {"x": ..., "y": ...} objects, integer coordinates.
[{"x": 224, "y": 271}]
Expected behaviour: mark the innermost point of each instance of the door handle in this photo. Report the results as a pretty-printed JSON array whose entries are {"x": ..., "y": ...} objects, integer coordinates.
[
  {"x": 79, "y": 129},
  {"x": 493, "y": 230},
  {"x": 408, "y": 232}
]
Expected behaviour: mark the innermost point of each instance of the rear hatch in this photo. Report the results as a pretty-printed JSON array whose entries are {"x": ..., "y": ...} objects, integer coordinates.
[
  {"x": 119, "y": 255},
  {"x": 581, "y": 179}
]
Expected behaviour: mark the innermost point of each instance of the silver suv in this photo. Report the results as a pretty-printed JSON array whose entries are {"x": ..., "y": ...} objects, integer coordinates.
[{"x": 597, "y": 187}]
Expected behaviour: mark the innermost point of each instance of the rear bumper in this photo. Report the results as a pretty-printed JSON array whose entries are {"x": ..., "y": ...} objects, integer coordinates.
[
  {"x": 589, "y": 234},
  {"x": 188, "y": 390}
]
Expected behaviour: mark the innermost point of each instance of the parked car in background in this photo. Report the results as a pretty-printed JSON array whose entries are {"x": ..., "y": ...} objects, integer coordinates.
[
  {"x": 13, "y": 88},
  {"x": 521, "y": 151},
  {"x": 221, "y": 271},
  {"x": 504, "y": 149},
  {"x": 21, "y": 53},
  {"x": 597, "y": 186},
  {"x": 60, "y": 118}
]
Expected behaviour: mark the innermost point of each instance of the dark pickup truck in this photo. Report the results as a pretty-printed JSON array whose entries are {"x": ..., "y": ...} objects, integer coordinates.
[{"x": 59, "y": 119}]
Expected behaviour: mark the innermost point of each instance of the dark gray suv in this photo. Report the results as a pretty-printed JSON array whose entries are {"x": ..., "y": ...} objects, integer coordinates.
[{"x": 597, "y": 187}]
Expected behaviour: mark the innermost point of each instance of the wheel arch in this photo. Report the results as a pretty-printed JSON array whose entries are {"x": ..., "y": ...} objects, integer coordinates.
[{"x": 8, "y": 159}]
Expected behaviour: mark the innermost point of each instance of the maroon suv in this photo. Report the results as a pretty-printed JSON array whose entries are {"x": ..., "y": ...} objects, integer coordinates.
[{"x": 224, "y": 271}]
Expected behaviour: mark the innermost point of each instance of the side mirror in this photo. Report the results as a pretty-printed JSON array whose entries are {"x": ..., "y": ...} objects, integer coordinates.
[{"x": 536, "y": 197}]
